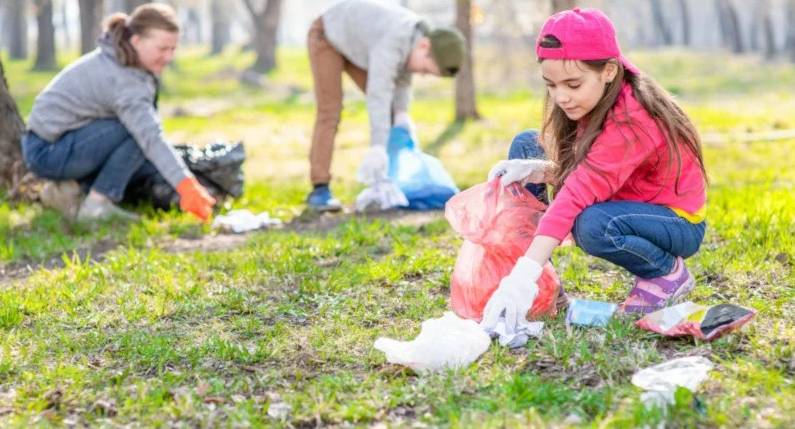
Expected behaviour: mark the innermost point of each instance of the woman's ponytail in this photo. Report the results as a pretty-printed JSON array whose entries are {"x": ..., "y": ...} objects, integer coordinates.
[{"x": 119, "y": 32}]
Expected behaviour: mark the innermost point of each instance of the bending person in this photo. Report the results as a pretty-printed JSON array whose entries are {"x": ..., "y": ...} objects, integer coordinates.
[
  {"x": 379, "y": 46},
  {"x": 97, "y": 123}
]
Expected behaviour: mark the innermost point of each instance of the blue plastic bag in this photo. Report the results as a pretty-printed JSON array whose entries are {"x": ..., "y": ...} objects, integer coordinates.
[{"x": 421, "y": 177}]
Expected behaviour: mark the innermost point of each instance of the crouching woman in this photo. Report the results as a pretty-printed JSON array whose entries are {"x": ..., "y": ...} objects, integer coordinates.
[{"x": 97, "y": 122}]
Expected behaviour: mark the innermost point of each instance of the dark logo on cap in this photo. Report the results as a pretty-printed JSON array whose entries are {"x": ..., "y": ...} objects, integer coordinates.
[{"x": 550, "y": 41}]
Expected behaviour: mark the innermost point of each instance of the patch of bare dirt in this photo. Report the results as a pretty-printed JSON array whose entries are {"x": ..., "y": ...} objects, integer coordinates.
[
  {"x": 314, "y": 222},
  {"x": 23, "y": 269},
  {"x": 306, "y": 222},
  {"x": 206, "y": 243}
]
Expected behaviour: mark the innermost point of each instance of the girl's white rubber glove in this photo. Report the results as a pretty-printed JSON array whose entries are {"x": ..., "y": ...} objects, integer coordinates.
[
  {"x": 514, "y": 297},
  {"x": 374, "y": 166},
  {"x": 520, "y": 170}
]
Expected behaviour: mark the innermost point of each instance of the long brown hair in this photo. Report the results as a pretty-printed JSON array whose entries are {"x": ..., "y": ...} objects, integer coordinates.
[
  {"x": 121, "y": 27},
  {"x": 568, "y": 146}
]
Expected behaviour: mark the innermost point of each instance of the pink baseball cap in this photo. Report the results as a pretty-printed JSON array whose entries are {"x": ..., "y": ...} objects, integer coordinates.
[{"x": 584, "y": 34}]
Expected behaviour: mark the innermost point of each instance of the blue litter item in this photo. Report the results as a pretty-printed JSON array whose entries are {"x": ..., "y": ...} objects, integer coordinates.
[
  {"x": 589, "y": 313},
  {"x": 420, "y": 176}
]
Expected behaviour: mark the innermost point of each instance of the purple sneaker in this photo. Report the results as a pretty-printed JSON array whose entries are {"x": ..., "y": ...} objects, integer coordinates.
[{"x": 649, "y": 295}]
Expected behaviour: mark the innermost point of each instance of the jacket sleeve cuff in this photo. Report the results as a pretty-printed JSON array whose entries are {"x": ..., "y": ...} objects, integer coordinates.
[
  {"x": 556, "y": 228},
  {"x": 178, "y": 176}
]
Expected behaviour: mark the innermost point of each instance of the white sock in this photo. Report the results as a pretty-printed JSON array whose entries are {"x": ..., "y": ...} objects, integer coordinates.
[
  {"x": 676, "y": 270},
  {"x": 96, "y": 197}
]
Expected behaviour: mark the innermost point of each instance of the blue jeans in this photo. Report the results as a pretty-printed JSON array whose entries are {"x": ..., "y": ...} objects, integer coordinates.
[
  {"x": 643, "y": 238},
  {"x": 101, "y": 155}
]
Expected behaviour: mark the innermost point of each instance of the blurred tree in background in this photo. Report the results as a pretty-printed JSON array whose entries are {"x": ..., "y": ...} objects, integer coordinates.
[
  {"x": 465, "y": 104},
  {"x": 11, "y": 129},
  {"x": 91, "y": 14},
  {"x": 266, "y": 24},
  {"x": 45, "y": 39},
  {"x": 15, "y": 30}
]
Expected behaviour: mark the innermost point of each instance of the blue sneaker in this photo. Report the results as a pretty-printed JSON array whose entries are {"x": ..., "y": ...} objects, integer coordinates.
[{"x": 320, "y": 199}]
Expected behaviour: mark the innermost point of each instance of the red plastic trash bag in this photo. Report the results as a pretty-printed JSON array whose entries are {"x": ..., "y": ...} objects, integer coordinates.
[{"x": 498, "y": 225}]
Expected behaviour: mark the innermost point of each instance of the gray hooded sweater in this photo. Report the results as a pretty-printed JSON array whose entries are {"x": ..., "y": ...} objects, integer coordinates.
[
  {"x": 376, "y": 37},
  {"x": 97, "y": 86}
]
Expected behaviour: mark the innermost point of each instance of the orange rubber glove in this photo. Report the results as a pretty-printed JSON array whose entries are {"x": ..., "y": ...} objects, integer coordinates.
[{"x": 193, "y": 198}]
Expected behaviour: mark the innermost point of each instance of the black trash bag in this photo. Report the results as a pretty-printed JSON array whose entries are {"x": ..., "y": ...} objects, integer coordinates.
[{"x": 218, "y": 167}]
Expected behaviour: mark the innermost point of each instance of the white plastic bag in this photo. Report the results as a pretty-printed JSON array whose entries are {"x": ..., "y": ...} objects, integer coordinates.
[
  {"x": 446, "y": 342},
  {"x": 239, "y": 221},
  {"x": 660, "y": 381},
  {"x": 381, "y": 195}
]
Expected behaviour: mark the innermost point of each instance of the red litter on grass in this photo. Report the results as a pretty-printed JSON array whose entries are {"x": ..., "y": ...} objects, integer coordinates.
[{"x": 703, "y": 322}]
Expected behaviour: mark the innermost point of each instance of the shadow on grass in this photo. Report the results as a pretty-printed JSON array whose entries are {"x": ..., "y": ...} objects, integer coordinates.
[{"x": 449, "y": 133}]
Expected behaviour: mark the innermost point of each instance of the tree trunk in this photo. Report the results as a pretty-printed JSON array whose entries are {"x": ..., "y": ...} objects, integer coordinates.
[
  {"x": 11, "y": 129},
  {"x": 465, "y": 105},
  {"x": 193, "y": 27},
  {"x": 768, "y": 31},
  {"x": 266, "y": 26},
  {"x": 65, "y": 25},
  {"x": 17, "y": 31},
  {"x": 91, "y": 12},
  {"x": 753, "y": 31},
  {"x": 559, "y": 5},
  {"x": 685, "y": 11},
  {"x": 730, "y": 26},
  {"x": 663, "y": 31},
  {"x": 790, "y": 45},
  {"x": 45, "y": 39},
  {"x": 130, "y": 5},
  {"x": 220, "y": 27}
]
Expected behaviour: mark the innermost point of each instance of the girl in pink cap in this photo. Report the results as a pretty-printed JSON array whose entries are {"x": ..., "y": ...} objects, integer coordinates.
[{"x": 625, "y": 167}]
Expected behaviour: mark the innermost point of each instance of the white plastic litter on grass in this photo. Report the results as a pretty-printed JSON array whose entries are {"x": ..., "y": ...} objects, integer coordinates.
[
  {"x": 239, "y": 221},
  {"x": 660, "y": 381},
  {"x": 518, "y": 338},
  {"x": 382, "y": 195},
  {"x": 446, "y": 342}
]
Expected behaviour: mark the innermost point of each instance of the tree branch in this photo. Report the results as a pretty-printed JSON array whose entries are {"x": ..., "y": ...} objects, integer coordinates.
[{"x": 251, "y": 9}]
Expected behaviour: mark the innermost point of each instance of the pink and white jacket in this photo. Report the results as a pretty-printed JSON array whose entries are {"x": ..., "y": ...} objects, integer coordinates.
[{"x": 631, "y": 163}]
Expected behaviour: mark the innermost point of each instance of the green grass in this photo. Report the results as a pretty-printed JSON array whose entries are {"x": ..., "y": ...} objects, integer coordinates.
[{"x": 159, "y": 332}]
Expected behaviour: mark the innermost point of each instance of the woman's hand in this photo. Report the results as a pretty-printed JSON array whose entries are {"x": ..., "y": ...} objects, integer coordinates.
[
  {"x": 194, "y": 198},
  {"x": 521, "y": 170}
]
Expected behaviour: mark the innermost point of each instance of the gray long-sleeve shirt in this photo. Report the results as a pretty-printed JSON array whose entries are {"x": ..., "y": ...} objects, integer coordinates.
[
  {"x": 376, "y": 37},
  {"x": 97, "y": 86}
]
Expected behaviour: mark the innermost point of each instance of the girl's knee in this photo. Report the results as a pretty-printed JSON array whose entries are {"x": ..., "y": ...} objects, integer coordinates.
[
  {"x": 525, "y": 146},
  {"x": 695, "y": 243},
  {"x": 589, "y": 231}
]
